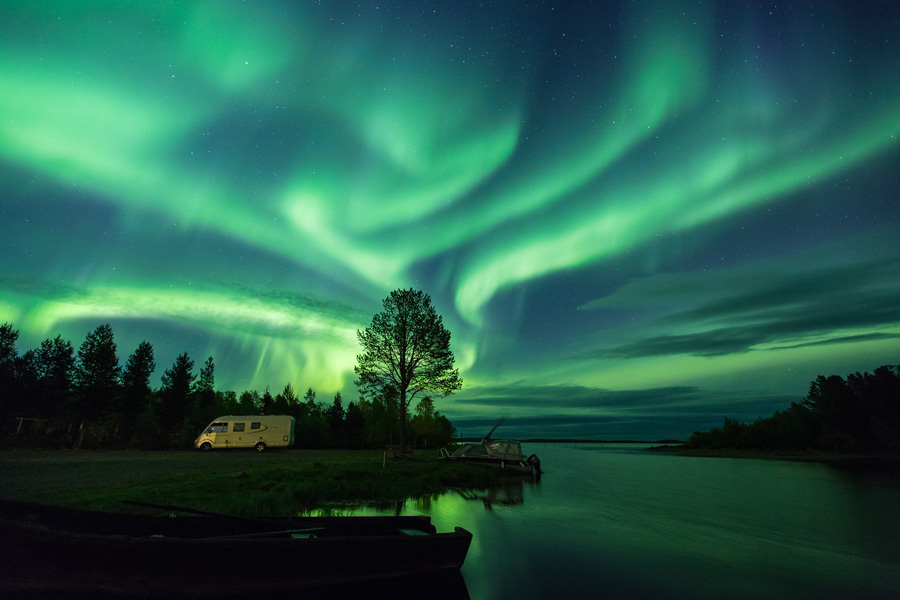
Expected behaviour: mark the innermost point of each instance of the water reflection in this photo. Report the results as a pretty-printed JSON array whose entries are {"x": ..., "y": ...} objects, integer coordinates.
[
  {"x": 510, "y": 493},
  {"x": 643, "y": 525}
]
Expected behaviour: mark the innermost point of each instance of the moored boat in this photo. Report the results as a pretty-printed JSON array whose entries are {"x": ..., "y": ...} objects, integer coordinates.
[
  {"x": 47, "y": 549},
  {"x": 502, "y": 454}
]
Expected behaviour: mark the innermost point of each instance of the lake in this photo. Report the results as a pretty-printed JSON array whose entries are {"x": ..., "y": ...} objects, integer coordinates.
[{"x": 616, "y": 521}]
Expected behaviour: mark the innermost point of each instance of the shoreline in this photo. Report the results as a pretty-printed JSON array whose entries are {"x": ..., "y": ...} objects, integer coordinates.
[{"x": 843, "y": 458}]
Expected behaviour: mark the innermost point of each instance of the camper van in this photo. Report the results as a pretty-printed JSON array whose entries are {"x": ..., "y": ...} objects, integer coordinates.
[{"x": 248, "y": 431}]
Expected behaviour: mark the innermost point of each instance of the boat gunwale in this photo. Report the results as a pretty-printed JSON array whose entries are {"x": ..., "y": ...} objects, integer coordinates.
[{"x": 38, "y": 557}]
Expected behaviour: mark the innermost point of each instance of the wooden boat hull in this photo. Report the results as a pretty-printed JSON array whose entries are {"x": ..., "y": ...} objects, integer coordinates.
[{"x": 39, "y": 553}]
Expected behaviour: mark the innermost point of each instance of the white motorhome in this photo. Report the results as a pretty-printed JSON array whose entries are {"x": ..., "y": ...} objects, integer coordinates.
[{"x": 247, "y": 431}]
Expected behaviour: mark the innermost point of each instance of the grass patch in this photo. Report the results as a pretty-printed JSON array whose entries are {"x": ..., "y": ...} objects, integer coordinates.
[{"x": 241, "y": 483}]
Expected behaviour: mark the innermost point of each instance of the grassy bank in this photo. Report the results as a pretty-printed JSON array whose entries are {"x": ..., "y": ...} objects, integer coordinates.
[{"x": 244, "y": 483}]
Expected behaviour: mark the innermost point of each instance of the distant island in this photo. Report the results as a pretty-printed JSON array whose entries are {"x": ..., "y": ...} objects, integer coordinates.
[{"x": 856, "y": 415}]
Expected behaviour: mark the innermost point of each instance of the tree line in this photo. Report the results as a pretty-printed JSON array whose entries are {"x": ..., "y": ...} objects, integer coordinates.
[
  {"x": 858, "y": 414},
  {"x": 55, "y": 395}
]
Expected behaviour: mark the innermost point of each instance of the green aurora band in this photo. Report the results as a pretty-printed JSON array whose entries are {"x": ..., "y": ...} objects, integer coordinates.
[{"x": 260, "y": 176}]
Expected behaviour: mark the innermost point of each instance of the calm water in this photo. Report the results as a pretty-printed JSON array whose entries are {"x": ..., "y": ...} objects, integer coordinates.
[{"x": 616, "y": 521}]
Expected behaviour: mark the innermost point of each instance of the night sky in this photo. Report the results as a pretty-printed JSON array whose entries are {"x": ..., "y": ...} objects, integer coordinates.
[{"x": 636, "y": 218}]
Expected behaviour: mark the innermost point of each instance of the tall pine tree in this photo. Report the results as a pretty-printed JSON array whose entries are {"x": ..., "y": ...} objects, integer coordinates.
[
  {"x": 135, "y": 387},
  {"x": 175, "y": 393},
  {"x": 97, "y": 377}
]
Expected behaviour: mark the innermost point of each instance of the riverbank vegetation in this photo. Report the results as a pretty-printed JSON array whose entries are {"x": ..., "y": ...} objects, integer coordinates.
[
  {"x": 859, "y": 414},
  {"x": 55, "y": 397}
]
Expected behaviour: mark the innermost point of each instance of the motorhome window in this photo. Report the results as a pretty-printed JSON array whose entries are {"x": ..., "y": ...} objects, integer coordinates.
[
  {"x": 238, "y": 426},
  {"x": 218, "y": 428},
  {"x": 254, "y": 425}
]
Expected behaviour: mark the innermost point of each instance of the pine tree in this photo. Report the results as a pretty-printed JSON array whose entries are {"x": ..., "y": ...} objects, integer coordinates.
[
  {"x": 335, "y": 417},
  {"x": 205, "y": 394},
  {"x": 177, "y": 385},
  {"x": 406, "y": 347},
  {"x": 97, "y": 378},
  {"x": 9, "y": 386},
  {"x": 53, "y": 363},
  {"x": 135, "y": 387}
]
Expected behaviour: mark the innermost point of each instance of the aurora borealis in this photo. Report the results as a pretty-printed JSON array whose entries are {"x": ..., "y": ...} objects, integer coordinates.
[{"x": 635, "y": 218}]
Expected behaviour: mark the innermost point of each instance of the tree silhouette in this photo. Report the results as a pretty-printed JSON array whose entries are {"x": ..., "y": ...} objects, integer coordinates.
[
  {"x": 207, "y": 380},
  {"x": 53, "y": 363},
  {"x": 355, "y": 426},
  {"x": 425, "y": 419},
  {"x": 250, "y": 402},
  {"x": 135, "y": 387},
  {"x": 286, "y": 401},
  {"x": 335, "y": 417},
  {"x": 96, "y": 377},
  {"x": 431, "y": 426},
  {"x": 8, "y": 337},
  {"x": 177, "y": 385},
  {"x": 268, "y": 402},
  {"x": 406, "y": 347},
  {"x": 861, "y": 413},
  {"x": 309, "y": 401},
  {"x": 9, "y": 392},
  {"x": 205, "y": 394},
  {"x": 59, "y": 389},
  {"x": 382, "y": 416}
]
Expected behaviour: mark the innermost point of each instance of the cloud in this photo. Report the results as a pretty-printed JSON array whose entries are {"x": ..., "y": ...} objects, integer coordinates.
[
  {"x": 850, "y": 339},
  {"x": 588, "y": 413},
  {"x": 753, "y": 309},
  {"x": 537, "y": 400},
  {"x": 562, "y": 396}
]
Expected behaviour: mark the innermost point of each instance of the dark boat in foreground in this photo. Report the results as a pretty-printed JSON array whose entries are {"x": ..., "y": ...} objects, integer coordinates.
[{"x": 47, "y": 549}]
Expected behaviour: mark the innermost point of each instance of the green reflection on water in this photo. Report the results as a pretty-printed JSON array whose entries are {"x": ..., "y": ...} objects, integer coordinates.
[{"x": 641, "y": 524}]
